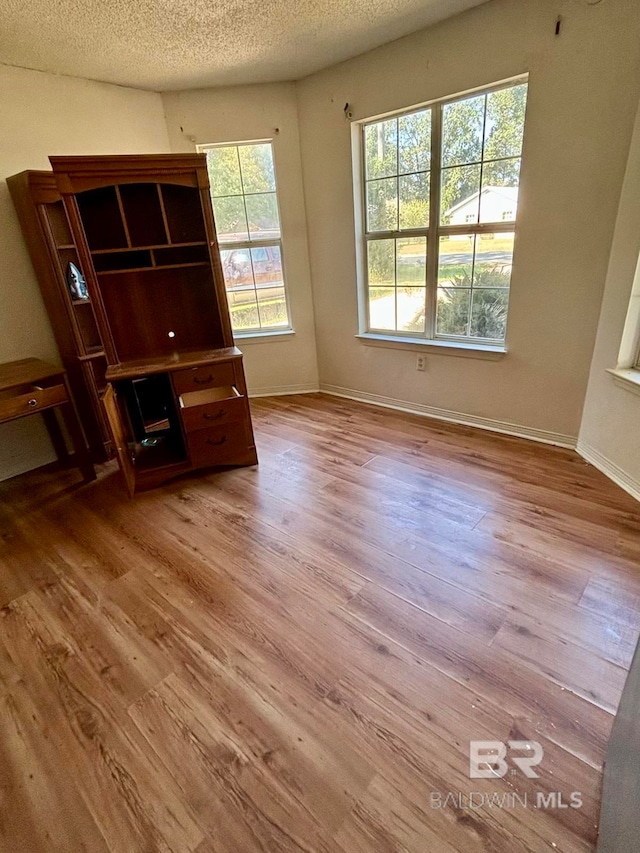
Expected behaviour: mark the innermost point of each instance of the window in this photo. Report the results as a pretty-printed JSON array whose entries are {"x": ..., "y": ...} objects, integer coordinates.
[
  {"x": 245, "y": 208},
  {"x": 438, "y": 216},
  {"x": 629, "y": 354}
]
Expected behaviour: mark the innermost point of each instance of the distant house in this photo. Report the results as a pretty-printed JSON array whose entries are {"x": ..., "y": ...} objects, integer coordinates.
[{"x": 497, "y": 204}]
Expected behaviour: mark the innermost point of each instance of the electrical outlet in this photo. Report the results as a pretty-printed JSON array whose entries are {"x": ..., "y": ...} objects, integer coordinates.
[{"x": 421, "y": 363}]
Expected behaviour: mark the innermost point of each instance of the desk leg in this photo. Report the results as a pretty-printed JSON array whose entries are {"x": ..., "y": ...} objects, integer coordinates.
[
  {"x": 83, "y": 459},
  {"x": 55, "y": 433}
]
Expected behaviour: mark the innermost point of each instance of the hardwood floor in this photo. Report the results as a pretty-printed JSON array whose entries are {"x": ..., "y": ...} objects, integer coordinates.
[{"x": 296, "y": 657}]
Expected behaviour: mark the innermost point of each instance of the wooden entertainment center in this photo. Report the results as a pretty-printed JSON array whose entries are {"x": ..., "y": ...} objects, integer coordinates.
[{"x": 148, "y": 345}]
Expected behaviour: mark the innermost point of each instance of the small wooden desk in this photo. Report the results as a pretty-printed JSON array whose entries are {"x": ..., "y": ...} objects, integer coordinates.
[{"x": 30, "y": 386}]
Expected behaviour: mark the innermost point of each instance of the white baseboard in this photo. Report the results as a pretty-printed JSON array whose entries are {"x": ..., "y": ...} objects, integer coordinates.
[
  {"x": 282, "y": 390},
  {"x": 505, "y": 427},
  {"x": 610, "y": 469}
]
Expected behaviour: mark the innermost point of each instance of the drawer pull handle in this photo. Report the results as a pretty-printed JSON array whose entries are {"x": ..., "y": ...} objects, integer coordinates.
[
  {"x": 209, "y": 417},
  {"x": 217, "y": 443},
  {"x": 33, "y": 402},
  {"x": 199, "y": 381}
]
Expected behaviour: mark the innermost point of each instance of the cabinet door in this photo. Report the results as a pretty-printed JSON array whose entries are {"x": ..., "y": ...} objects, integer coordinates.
[{"x": 119, "y": 438}]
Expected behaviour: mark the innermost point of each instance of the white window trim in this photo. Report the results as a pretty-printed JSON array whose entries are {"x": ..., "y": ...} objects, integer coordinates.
[
  {"x": 258, "y": 334},
  {"x": 626, "y": 373},
  {"x": 439, "y": 346},
  {"x": 466, "y": 346},
  {"x": 270, "y": 335}
]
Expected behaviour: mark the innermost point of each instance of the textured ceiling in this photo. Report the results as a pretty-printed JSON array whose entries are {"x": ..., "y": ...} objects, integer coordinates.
[{"x": 178, "y": 44}]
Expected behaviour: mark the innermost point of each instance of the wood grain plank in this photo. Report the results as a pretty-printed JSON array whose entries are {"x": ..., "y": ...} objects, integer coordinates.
[
  {"x": 580, "y": 726},
  {"x": 130, "y": 796}
]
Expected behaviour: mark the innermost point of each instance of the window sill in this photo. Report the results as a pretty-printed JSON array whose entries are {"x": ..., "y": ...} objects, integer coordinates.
[
  {"x": 492, "y": 352},
  {"x": 628, "y": 379},
  {"x": 263, "y": 337}
]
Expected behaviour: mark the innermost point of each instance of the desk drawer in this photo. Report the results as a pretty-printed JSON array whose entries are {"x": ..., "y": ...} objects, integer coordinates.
[
  {"x": 218, "y": 445},
  {"x": 211, "y": 407},
  {"x": 209, "y": 376},
  {"x": 28, "y": 400}
]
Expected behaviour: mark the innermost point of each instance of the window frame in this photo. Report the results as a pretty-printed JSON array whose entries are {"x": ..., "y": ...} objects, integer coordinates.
[
  {"x": 248, "y": 244},
  {"x": 434, "y": 230}
]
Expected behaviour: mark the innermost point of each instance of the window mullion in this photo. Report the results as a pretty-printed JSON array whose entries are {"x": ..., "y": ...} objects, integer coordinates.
[{"x": 434, "y": 220}]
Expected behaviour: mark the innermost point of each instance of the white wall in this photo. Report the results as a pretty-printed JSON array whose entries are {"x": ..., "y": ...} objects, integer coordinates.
[
  {"x": 611, "y": 419},
  {"x": 44, "y": 114},
  {"x": 584, "y": 88},
  {"x": 254, "y": 112}
]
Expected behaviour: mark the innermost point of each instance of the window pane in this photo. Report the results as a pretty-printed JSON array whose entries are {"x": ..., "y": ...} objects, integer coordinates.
[
  {"x": 230, "y": 218},
  {"x": 453, "y": 311},
  {"x": 489, "y": 313},
  {"x": 267, "y": 266},
  {"x": 414, "y": 200},
  {"x": 411, "y": 261},
  {"x": 494, "y": 259},
  {"x": 381, "y": 149},
  {"x": 462, "y": 131},
  {"x": 236, "y": 266},
  {"x": 262, "y": 213},
  {"x": 241, "y": 294},
  {"x": 505, "y": 122},
  {"x": 224, "y": 171},
  {"x": 382, "y": 308},
  {"x": 256, "y": 162},
  {"x": 244, "y": 313},
  {"x": 381, "y": 262},
  {"x": 455, "y": 265},
  {"x": 499, "y": 197},
  {"x": 414, "y": 142},
  {"x": 410, "y": 308},
  {"x": 460, "y": 195},
  {"x": 272, "y": 306},
  {"x": 382, "y": 205}
]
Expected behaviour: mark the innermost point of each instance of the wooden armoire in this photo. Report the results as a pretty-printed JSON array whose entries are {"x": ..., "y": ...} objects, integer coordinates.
[{"x": 140, "y": 233}]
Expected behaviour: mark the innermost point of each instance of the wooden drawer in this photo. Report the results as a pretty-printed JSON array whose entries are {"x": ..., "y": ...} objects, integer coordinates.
[
  {"x": 211, "y": 407},
  {"x": 23, "y": 401},
  {"x": 218, "y": 445},
  {"x": 209, "y": 376}
]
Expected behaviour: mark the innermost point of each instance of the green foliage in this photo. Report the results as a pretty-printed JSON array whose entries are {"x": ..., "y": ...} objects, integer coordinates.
[
  {"x": 272, "y": 313},
  {"x": 489, "y": 314},
  {"x": 505, "y": 121},
  {"x": 398, "y": 146},
  {"x": 490, "y": 299},
  {"x": 237, "y": 169},
  {"x": 462, "y": 142},
  {"x": 462, "y": 124},
  {"x": 381, "y": 262},
  {"x": 481, "y": 312},
  {"x": 414, "y": 210}
]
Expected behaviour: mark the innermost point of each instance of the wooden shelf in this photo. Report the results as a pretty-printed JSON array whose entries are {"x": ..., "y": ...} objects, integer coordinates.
[
  {"x": 92, "y": 354},
  {"x": 155, "y": 269},
  {"x": 160, "y": 364},
  {"x": 142, "y": 248},
  {"x": 86, "y": 301},
  {"x": 61, "y": 248}
]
